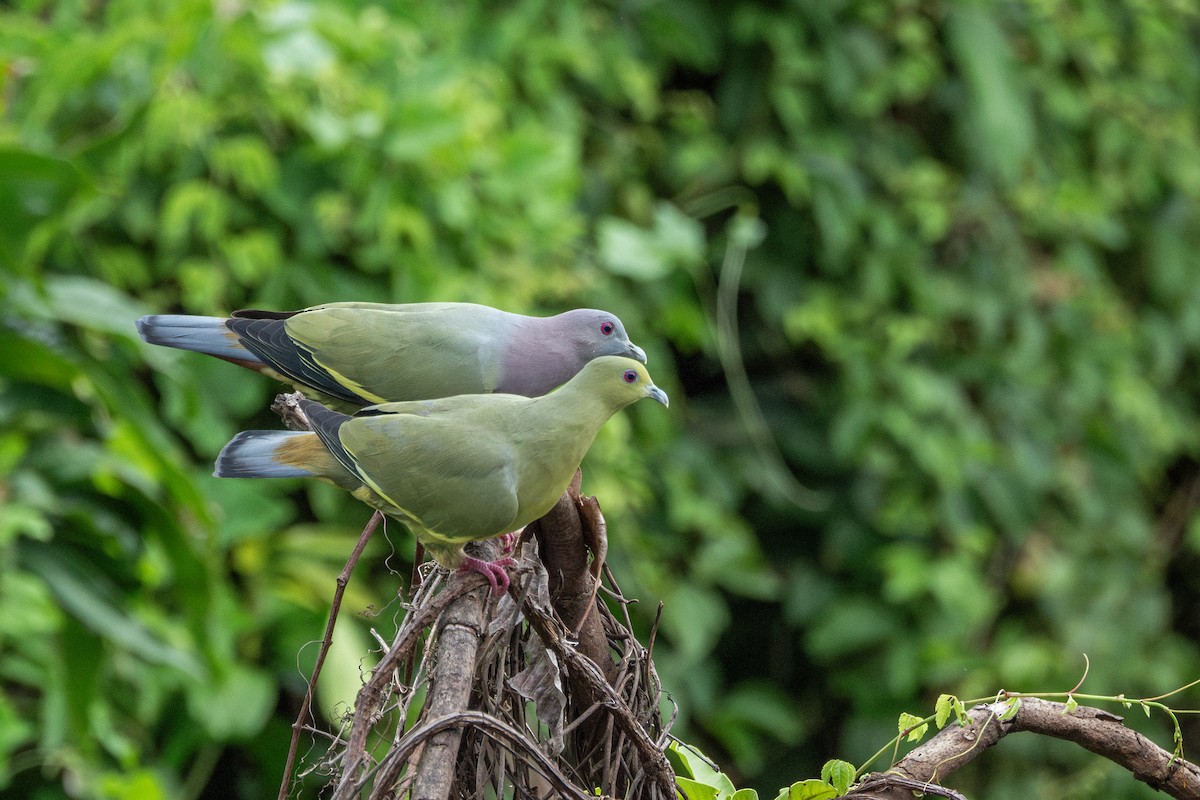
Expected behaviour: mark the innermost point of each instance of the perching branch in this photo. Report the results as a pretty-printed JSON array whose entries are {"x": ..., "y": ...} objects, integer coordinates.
[
  {"x": 460, "y": 630},
  {"x": 1096, "y": 730},
  {"x": 603, "y": 716},
  {"x": 488, "y": 664},
  {"x": 374, "y": 696},
  {"x": 565, "y": 535}
]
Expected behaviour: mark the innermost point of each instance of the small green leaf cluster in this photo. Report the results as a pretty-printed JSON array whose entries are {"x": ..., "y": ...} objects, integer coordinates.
[
  {"x": 836, "y": 779},
  {"x": 696, "y": 775},
  {"x": 701, "y": 780}
]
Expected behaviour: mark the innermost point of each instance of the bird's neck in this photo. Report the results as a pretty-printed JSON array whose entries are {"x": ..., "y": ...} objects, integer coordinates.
[
  {"x": 537, "y": 359},
  {"x": 577, "y": 417}
]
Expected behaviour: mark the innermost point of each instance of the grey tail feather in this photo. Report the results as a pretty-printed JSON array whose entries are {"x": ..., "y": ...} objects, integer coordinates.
[
  {"x": 201, "y": 334},
  {"x": 252, "y": 454},
  {"x": 326, "y": 423}
]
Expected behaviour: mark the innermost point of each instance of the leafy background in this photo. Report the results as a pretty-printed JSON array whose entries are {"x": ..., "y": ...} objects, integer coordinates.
[{"x": 921, "y": 278}]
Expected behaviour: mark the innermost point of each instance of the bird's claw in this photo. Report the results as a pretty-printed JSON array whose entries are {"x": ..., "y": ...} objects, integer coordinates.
[
  {"x": 494, "y": 571},
  {"x": 508, "y": 541}
]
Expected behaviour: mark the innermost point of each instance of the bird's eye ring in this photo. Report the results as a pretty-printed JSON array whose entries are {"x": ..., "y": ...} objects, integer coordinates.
[
  {"x": 607, "y": 328},
  {"x": 631, "y": 376}
]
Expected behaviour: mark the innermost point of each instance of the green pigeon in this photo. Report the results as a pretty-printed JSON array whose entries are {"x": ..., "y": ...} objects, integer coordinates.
[
  {"x": 457, "y": 469},
  {"x": 365, "y": 353}
]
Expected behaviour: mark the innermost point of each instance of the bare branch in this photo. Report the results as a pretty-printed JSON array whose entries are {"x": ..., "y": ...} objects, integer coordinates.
[
  {"x": 287, "y": 406},
  {"x": 459, "y": 632},
  {"x": 498, "y": 730},
  {"x": 1094, "y": 729},
  {"x": 369, "y": 705},
  {"x": 600, "y": 691},
  {"x": 561, "y": 536},
  {"x": 885, "y": 785}
]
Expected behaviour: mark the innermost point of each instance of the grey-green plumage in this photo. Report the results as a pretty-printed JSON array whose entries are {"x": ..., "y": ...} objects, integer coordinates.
[
  {"x": 457, "y": 469},
  {"x": 363, "y": 353}
]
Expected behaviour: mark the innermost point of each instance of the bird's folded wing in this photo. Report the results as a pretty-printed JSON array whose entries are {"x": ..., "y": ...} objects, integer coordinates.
[
  {"x": 456, "y": 481},
  {"x": 269, "y": 339},
  {"x": 414, "y": 354}
]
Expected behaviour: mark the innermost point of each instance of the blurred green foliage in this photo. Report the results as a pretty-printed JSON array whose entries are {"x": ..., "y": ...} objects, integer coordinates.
[{"x": 922, "y": 274}]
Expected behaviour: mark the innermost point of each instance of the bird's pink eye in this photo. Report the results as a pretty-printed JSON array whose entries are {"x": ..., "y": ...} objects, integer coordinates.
[
  {"x": 630, "y": 376},
  {"x": 606, "y": 328}
]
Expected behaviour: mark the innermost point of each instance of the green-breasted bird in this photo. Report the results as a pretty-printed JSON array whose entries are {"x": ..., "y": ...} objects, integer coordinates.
[
  {"x": 364, "y": 353},
  {"x": 457, "y": 469}
]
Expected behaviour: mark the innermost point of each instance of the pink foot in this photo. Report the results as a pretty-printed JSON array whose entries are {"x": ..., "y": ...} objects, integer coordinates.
[
  {"x": 492, "y": 570},
  {"x": 508, "y": 541}
]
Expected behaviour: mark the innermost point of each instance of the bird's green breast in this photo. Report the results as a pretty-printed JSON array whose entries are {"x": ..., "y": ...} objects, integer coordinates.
[{"x": 548, "y": 460}]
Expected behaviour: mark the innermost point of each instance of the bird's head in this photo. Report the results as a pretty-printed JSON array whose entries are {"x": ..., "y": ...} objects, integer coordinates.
[
  {"x": 599, "y": 333},
  {"x": 620, "y": 381}
]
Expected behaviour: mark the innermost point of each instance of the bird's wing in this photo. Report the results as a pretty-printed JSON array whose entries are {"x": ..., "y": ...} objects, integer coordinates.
[
  {"x": 268, "y": 337},
  {"x": 383, "y": 355},
  {"x": 455, "y": 481}
]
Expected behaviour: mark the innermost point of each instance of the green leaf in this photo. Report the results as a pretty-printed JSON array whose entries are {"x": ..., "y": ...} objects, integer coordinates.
[
  {"x": 87, "y": 593},
  {"x": 193, "y": 209},
  {"x": 943, "y": 709},
  {"x": 811, "y": 789},
  {"x": 695, "y": 789},
  {"x": 911, "y": 727},
  {"x": 689, "y": 763},
  {"x": 675, "y": 241},
  {"x": 140, "y": 784},
  {"x": 838, "y": 774},
  {"x": 14, "y": 732},
  {"x": 1070, "y": 705},
  {"x": 1010, "y": 709},
  {"x": 1002, "y": 130},
  {"x": 626, "y": 249},
  {"x": 246, "y": 162},
  {"x": 35, "y": 188},
  {"x": 681, "y": 238},
  {"x": 235, "y": 706},
  {"x": 24, "y": 359},
  {"x": 80, "y": 651},
  {"x": 747, "y": 232},
  {"x": 91, "y": 304},
  {"x": 694, "y": 616},
  {"x": 341, "y": 678},
  {"x": 24, "y": 520},
  {"x": 946, "y": 705}
]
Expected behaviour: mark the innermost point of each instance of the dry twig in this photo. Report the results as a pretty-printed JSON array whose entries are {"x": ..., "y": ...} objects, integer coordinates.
[{"x": 285, "y": 785}]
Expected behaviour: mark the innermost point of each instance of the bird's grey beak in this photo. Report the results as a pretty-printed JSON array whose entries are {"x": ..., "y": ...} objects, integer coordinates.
[
  {"x": 659, "y": 395},
  {"x": 637, "y": 353}
]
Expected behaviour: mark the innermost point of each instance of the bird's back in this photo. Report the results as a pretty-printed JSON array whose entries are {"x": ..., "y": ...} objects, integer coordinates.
[{"x": 402, "y": 352}]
